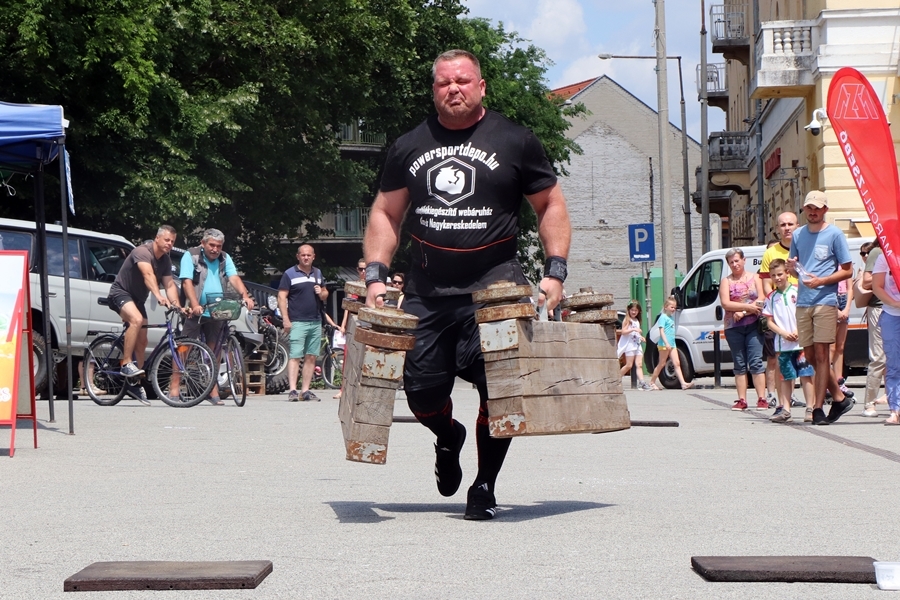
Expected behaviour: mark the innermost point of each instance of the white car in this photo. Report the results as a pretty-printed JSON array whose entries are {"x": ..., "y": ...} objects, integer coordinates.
[{"x": 94, "y": 261}]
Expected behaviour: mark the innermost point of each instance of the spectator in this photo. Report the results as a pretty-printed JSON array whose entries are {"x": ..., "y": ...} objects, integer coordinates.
[
  {"x": 780, "y": 309},
  {"x": 301, "y": 294},
  {"x": 787, "y": 223},
  {"x": 844, "y": 301},
  {"x": 666, "y": 345},
  {"x": 361, "y": 274},
  {"x": 741, "y": 294},
  {"x": 206, "y": 273},
  {"x": 885, "y": 287},
  {"x": 397, "y": 281},
  {"x": 870, "y": 251},
  {"x": 630, "y": 344},
  {"x": 821, "y": 258}
]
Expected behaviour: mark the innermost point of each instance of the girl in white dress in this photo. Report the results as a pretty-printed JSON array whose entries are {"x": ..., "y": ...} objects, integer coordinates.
[{"x": 630, "y": 344}]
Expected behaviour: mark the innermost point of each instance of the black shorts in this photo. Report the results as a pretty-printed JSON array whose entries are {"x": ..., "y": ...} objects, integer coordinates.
[
  {"x": 211, "y": 330},
  {"x": 119, "y": 298},
  {"x": 769, "y": 345},
  {"x": 447, "y": 340}
]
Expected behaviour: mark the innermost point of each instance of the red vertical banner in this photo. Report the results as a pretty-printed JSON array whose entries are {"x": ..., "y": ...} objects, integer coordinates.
[
  {"x": 865, "y": 139},
  {"x": 14, "y": 333}
]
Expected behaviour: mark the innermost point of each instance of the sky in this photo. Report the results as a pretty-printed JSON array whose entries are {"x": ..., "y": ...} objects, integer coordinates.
[{"x": 574, "y": 32}]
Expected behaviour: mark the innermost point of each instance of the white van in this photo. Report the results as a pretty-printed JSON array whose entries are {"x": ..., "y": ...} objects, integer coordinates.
[{"x": 700, "y": 314}]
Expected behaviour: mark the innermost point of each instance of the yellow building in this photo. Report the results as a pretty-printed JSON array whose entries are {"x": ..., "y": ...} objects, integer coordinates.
[{"x": 780, "y": 57}]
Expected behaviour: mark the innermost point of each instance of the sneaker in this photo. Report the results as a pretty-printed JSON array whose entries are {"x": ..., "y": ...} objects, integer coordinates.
[
  {"x": 293, "y": 396},
  {"x": 771, "y": 400},
  {"x": 869, "y": 410},
  {"x": 819, "y": 418},
  {"x": 847, "y": 392},
  {"x": 137, "y": 392},
  {"x": 308, "y": 396},
  {"x": 782, "y": 417},
  {"x": 807, "y": 418},
  {"x": 741, "y": 404},
  {"x": 131, "y": 370},
  {"x": 447, "y": 471},
  {"x": 777, "y": 412},
  {"x": 838, "y": 409},
  {"x": 796, "y": 403},
  {"x": 481, "y": 504},
  {"x": 762, "y": 404},
  {"x": 215, "y": 400},
  {"x": 644, "y": 386}
]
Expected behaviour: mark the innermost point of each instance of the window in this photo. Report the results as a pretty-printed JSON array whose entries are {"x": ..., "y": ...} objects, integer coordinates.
[
  {"x": 15, "y": 240},
  {"x": 105, "y": 260},
  {"x": 703, "y": 287},
  {"x": 55, "y": 257}
]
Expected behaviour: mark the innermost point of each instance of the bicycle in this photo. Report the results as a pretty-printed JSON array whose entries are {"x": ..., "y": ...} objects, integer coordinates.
[
  {"x": 186, "y": 362},
  {"x": 330, "y": 362},
  {"x": 234, "y": 375}
]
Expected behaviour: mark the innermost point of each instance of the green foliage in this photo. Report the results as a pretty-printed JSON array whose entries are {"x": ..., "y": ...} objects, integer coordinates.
[{"x": 224, "y": 112}]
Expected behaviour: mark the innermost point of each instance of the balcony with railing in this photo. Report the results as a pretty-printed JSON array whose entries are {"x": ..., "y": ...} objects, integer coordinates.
[
  {"x": 729, "y": 160},
  {"x": 730, "y": 29},
  {"x": 785, "y": 59},
  {"x": 354, "y": 139},
  {"x": 716, "y": 85}
]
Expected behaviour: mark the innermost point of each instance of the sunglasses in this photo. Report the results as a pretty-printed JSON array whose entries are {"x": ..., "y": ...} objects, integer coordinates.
[
  {"x": 360, "y": 269},
  {"x": 863, "y": 253},
  {"x": 397, "y": 282}
]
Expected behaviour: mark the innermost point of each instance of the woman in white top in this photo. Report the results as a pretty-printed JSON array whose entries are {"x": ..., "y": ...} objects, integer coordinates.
[
  {"x": 885, "y": 288},
  {"x": 630, "y": 344}
]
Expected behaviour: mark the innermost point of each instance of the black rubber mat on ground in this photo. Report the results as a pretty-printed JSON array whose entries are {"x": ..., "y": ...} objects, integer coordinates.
[
  {"x": 808, "y": 569},
  {"x": 169, "y": 575}
]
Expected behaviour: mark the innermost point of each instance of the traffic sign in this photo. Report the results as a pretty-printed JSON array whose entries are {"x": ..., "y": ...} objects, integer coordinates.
[{"x": 641, "y": 242}]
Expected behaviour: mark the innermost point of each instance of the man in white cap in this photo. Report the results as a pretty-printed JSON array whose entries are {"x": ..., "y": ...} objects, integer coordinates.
[{"x": 820, "y": 257}]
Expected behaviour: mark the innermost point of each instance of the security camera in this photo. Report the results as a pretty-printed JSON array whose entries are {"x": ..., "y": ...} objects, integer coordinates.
[{"x": 815, "y": 126}]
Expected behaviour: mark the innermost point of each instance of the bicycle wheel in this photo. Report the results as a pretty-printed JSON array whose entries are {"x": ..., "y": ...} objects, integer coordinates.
[
  {"x": 188, "y": 379},
  {"x": 102, "y": 377},
  {"x": 331, "y": 368},
  {"x": 237, "y": 375}
]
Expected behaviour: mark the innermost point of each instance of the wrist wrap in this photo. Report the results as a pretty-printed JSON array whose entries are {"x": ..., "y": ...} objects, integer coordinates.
[
  {"x": 376, "y": 272},
  {"x": 556, "y": 267}
]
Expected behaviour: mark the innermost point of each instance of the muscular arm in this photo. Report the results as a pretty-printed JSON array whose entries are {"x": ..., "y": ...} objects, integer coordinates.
[
  {"x": 555, "y": 232},
  {"x": 171, "y": 290},
  {"x": 383, "y": 234},
  {"x": 150, "y": 281}
]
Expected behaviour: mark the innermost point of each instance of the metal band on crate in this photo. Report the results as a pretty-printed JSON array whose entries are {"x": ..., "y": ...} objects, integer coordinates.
[
  {"x": 556, "y": 267},
  {"x": 376, "y": 272}
]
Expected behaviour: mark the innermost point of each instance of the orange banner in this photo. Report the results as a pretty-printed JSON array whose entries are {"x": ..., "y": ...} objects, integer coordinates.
[{"x": 12, "y": 269}]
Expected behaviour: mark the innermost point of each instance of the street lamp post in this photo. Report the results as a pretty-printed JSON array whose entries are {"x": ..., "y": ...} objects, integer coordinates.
[{"x": 667, "y": 226}]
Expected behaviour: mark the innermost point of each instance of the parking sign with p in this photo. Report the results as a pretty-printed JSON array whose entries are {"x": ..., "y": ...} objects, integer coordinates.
[{"x": 641, "y": 242}]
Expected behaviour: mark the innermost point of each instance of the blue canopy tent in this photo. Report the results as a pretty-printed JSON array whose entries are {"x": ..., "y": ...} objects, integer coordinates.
[{"x": 31, "y": 137}]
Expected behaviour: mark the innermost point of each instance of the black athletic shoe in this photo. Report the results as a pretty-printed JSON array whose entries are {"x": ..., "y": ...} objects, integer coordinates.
[
  {"x": 481, "y": 504},
  {"x": 819, "y": 417},
  {"x": 838, "y": 409},
  {"x": 447, "y": 471}
]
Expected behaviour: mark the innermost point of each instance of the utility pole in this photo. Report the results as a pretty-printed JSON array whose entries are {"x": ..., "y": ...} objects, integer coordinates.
[
  {"x": 665, "y": 195},
  {"x": 704, "y": 135}
]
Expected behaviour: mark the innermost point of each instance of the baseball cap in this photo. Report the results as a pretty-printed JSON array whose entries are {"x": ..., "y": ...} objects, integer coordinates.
[{"x": 816, "y": 198}]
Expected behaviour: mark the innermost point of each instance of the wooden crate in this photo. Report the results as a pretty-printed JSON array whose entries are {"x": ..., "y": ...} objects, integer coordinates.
[
  {"x": 256, "y": 375},
  {"x": 550, "y": 377},
  {"x": 366, "y": 409}
]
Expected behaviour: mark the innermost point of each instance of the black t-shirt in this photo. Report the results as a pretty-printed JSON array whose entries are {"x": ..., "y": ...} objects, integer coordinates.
[
  {"x": 465, "y": 188},
  {"x": 130, "y": 277}
]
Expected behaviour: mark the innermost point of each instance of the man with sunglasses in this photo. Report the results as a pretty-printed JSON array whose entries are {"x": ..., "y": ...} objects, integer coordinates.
[{"x": 462, "y": 175}]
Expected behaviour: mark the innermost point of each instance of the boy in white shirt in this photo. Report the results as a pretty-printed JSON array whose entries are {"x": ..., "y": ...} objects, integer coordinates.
[{"x": 780, "y": 309}]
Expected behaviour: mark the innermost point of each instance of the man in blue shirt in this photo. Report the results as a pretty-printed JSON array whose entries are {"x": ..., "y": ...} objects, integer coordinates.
[
  {"x": 206, "y": 274},
  {"x": 820, "y": 257},
  {"x": 301, "y": 293}
]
